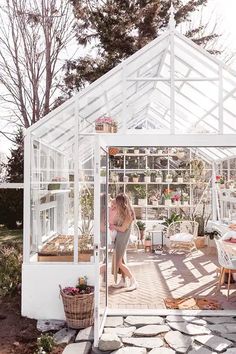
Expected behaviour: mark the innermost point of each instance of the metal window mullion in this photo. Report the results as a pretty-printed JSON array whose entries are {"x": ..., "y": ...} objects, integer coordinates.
[
  {"x": 124, "y": 99},
  {"x": 27, "y": 198},
  {"x": 172, "y": 84},
  {"x": 220, "y": 100},
  {"x": 76, "y": 182}
]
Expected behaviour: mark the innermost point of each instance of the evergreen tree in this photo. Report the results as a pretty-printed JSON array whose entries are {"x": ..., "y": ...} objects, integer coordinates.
[
  {"x": 11, "y": 200},
  {"x": 118, "y": 28}
]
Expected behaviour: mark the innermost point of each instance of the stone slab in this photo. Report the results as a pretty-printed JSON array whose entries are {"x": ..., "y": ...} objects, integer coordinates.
[
  {"x": 162, "y": 351},
  {"x": 189, "y": 328},
  {"x": 151, "y": 330},
  {"x": 86, "y": 334},
  {"x": 200, "y": 350},
  {"x": 77, "y": 348},
  {"x": 191, "y": 319},
  {"x": 114, "y": 321},
  {"x": 98, "y": 351},
  {"x": 221, "y": 319},
  {"x": 139, "y": 321},
  {"x": 109, "y": 341},
  {"x": 50, "y": 325},
  {"x": 121, "y": 331},
  {"x": 231, "y": 351},
  {"x": 178, "y": 341},
  {"x": 64, "y": 335},
  {"x": 130, "y": 350},
  {"x": 229, "y": 336},
  {"x": 213, "y": 342},
  {"x": 145, "y": 342}
]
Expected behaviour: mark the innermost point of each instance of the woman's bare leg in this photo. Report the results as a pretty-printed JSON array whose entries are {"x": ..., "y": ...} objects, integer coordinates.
[{"x": 125, "y": 270}]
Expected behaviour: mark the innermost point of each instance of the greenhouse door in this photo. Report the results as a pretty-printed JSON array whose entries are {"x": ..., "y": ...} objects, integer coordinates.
[{"x": 100, "y": 235}]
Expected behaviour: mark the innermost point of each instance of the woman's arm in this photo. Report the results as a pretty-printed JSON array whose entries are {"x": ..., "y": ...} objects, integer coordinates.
[{"x": 126, "y": 224}]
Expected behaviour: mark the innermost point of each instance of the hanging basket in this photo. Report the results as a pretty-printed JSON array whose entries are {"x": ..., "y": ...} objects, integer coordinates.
[
  {"x": 113, "y": 151},
  {"x": 79, "y": 309}
]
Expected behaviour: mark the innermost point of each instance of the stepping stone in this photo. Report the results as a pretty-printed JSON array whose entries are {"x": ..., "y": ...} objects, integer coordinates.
[
  {"x": 214, "y": 342},
  {"x": 218, "y": 320},
  {"x": 162, "y": 351},
  {"x": 231, "y": 337},
  {"x": 230, "y": 327},
  {"x": 114, "y": 321},
  {"x": 98, "y": 351},
  {"x": 151, "y": 330},
  {"x": 86, "y": 334},
  {"x": 139, "y": 321},
  {"x": 178, "y": 341},
  {"x": 77, "y": 348},
  {"x": 130, "y": 350},
  {"x": 192, "y": 319},
  {"x": 148, "y": 343},
  {"x": 64, "y": 335},
  {"x": 189, "y": 328},
  {"x": 121, "y": 331},
  {"x": 50, "y": 325},
  {"x": 201, "y": 350},
  {"x": 218, "y": 328},
  {"x": 231, "y": 351},
  {"x": 109, "y": 341}
]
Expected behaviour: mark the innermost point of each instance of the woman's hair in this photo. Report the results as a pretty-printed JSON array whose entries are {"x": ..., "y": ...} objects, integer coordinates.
[{"x": 124, "y": 206}]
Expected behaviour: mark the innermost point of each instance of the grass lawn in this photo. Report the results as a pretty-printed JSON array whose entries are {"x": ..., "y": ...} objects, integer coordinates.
[{"x": 10, "y": 235}]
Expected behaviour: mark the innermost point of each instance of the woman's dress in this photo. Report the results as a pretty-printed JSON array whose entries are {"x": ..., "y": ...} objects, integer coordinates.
[{"x": 121, "y": 242}]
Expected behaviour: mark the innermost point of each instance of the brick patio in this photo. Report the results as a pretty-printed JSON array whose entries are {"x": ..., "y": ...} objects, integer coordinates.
[{"x": 161, "y": 276}]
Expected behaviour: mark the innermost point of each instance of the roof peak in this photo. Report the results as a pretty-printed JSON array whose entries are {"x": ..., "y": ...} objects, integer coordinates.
[{"x": 172, "y": 21}]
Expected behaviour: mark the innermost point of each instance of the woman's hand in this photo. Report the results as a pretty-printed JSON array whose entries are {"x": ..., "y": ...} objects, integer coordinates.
[{"x": 112, "y": 227}]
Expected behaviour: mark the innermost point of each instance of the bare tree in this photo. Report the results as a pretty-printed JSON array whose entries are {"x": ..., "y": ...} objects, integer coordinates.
[{"x": 33, "y": 36}]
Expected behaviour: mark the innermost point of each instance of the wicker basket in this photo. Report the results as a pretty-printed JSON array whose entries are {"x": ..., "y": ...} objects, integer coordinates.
[{"x": 79, "y": 309}]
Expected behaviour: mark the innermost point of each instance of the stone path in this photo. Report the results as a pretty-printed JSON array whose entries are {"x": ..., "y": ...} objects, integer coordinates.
[{"x": 157, "y": 335}]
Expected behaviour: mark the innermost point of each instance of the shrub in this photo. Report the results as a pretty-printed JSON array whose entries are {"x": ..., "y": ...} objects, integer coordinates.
[
  {"x": 10, "y": 269},
  {"x": 45, "y": 344}
]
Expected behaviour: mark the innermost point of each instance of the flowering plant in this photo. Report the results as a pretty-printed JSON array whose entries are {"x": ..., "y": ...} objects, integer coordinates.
[
  {"x": 176, "y": 197},
  {"x": 220, "y": 179},
  {"x": 167, "y": 193},
  {"x": 79, "y": 289},
  {"x": 106, "y": 120}
]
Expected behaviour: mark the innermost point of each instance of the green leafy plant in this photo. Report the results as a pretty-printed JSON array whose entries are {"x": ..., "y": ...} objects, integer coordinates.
[
  {"x": 103, "y": 173},
  {"x": 45, "y": 344},
  {"x": 148, "y": 238},
  {"x": 202, "y": 217},
  {"x": 86, "y": 205},
  {"x": 140, "y": 192},
  {"x": 135, "y": 175},
  {"x": 147, "y": 172},
  {"x": 10, "y": 269},
  {"x": 141, "y": 225},
  {"x": 174, "y": 217}
]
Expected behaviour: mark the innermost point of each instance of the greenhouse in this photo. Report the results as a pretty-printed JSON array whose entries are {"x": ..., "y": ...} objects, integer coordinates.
[{"x": 161, "y": 128}]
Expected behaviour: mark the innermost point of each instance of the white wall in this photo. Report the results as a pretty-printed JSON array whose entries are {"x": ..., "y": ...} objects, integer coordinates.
[{"x": 40, "y": 287}]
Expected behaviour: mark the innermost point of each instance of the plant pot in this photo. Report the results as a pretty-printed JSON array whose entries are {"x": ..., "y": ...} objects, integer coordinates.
[
  {"x": 147, "y": 179},
  {"x": 142, "y": 202},
  {"x": 155, "y": 202},
  {"x": 147, "y": 243},
  {"x": 176, "y": 202},
  {"x": 147, "y": 151},
  {"x": 159, "y": 152},
  {"x": 126, "y": 179},
  {"x": 192, "y": 180},
  {"x": 136, "y": 151},
  {"x": 135, "y": 179},
  {"x": 200, "y": 242},
  {"x": 180, "y": 180},
  {"x": 168, "y": 202},
  {"x": 168, "y": 180},
  {"x": 158, "y": 180},
  {"x": 103, "y": 179}
]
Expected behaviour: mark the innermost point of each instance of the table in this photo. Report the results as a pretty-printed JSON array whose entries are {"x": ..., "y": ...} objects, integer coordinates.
[{"x": 151, "y": 233}]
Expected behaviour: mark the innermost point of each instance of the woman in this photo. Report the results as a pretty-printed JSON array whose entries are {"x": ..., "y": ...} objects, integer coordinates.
[{"x": 124, "y": 218}]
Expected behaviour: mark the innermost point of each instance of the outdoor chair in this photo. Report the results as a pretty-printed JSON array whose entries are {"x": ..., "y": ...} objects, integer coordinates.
[
  {"x": 227, "y": 264},
  {"x": 181, "y": 235}
]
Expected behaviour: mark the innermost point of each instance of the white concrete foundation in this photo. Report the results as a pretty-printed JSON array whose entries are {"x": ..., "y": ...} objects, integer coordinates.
[{"x": 40, "y": 287}]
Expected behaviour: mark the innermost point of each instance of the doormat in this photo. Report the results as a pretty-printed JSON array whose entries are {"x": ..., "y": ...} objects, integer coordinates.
[{"x": 192, "y": 303}]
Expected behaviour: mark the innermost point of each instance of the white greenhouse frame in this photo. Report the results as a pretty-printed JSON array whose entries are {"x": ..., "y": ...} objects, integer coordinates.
[{"x": 147, "y": 95}]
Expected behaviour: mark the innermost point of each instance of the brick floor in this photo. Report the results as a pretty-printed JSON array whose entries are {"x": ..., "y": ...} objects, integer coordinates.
[{"x": 165, "y": 275}]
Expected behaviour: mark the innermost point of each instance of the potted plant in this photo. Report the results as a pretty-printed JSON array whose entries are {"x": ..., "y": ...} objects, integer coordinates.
[
  {"x": 192, "y": 178},
  {"x": 185, "y": 199},
  {"x": 173, "y": 218},
  {"x": 114, "y": 177},
  {"x": 197, "y": 167},
  {"x": 202, "y": 217},
  {"x": 126, "y": 179},
  {"x": 135, "y": 177},
  {"x": 168, "y": 178},
  {"x": 141, "y": 225},
  {"x": 176, "y": 198},
  {"x": 148, "y": 241},
  {"x": 220, "y": 181},
  {"x": 159, "y": 152},
  {"x": 78, "y": 304},
  {"x": 180, "y": 178},
  {"x": 147, "y": 176},
  {"x": 167, "y": 197},
  {"x": 158, "y": 177},
  {"x": 147, "y": 151},
  {"x": 141, "y": 194},
  {"x": 103, "y": 175},
  {"x": 136, "y": 151},
  {"x": 85, "y": 243}
]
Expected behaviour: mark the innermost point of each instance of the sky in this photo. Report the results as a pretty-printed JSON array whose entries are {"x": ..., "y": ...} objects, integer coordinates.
[{"x": 223, "y": 11}]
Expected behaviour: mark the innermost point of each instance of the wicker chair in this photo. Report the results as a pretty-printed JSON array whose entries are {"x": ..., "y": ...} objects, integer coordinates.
[
  {"x": 227, "y": 264},
  {"x": 181, "y": 235}
]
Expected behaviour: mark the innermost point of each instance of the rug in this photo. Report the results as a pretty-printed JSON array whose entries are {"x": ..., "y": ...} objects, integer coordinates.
[{"x": 192, "y": 303}]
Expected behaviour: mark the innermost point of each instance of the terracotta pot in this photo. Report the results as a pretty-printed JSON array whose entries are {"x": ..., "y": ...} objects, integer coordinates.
[{"x": 200, "y": 242}]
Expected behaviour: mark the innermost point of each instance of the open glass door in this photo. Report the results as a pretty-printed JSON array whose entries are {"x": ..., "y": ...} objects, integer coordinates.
[{"x": 101, "y": 232}]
